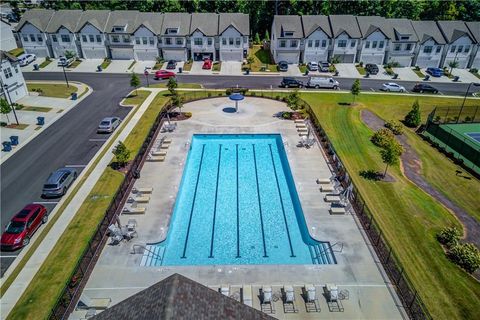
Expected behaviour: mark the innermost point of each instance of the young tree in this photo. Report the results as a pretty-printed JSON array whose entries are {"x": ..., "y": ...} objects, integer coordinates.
[
  {"x": 355, "y": 90},
  {"x": 267, "y": 36},
  {"x": 5, "y": 108},
  {"x": 121, "y": 154},
  {"x": 69, "y": 54},
  {"x": 134, "y": 82},
  {"x": 413, "y": 117},
  {"x": 390, "y": 154},
  {"x": 172, "y": 85},
  {"x": 177, "y": 101},
  {"x": 256, "y": 40},
  {"x": 293, "y": 100},
  {"x": 250, "y": 60},
  {"x": 453, "y": 64}
]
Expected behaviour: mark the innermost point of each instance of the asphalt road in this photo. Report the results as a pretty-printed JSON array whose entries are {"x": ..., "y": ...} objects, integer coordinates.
[{"x": 68, "y": 140}]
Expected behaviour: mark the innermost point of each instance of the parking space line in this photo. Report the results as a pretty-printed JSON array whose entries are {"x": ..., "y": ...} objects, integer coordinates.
[
  {"x": 75, "y": 166},
  {"x": 46, "y": 202},
  {"x": 94, "y": 140},
  {"x": 372, "y": 89},
  {"x": 8, "y": 256},
  {"x": 440, "y": 93}
]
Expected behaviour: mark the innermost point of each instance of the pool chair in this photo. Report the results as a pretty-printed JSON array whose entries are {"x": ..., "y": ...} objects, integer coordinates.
[
  {"x": 288, "y": 297},
  {"x": 116, "y": 234},
  {"x": 142, "y": 190},
  {"x": 333, "y": 298},
  {"x": 310, "y": 297},
  {"x": 225, "y": 290},
  {"x": 247, "y": 295},
  {"x": 93, "y": 303},
  {"x": 266, "y": 299}
]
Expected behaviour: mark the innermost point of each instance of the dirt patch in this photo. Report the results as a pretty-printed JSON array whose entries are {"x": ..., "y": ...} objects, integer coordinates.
[
  {"x": 412, "y": 168},
  {"x": 179, "y": 116}
]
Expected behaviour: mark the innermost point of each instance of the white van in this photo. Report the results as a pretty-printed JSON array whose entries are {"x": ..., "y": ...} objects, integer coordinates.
[{"x": 322, "y": 82}]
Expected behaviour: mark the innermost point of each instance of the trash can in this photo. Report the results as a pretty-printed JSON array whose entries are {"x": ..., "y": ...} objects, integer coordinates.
[
  {"x": 247, "y": 72},
  {"x": 136, "y": 174},
  {"x": 395, "y": 76},
  {"x": 427, "y": 77},
  {"x": 40, "y": 121},
  {"x": 99, "y": 68},
  {"x": 36, "y": 67},
  {"x": 336, "y": 73},
  {"x": 7, "y": 146},
  {"x": 306, "y": 72},
  {"x": 367, "y": 75},
  {"x": 180, "y": 70},
  {"x": 74, "y": 96},
  {"x": 456, "y": 78},
  {"x": 14, "y": 140}
]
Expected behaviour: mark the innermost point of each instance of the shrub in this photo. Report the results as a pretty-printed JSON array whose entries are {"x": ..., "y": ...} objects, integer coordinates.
[
  {"x": 413, "y": 118},
  {"x": 277, "y": 97},
  {"x": 188, "y": 114},
  {"x": 468, "y": 119},
  {"x": 474, "y": 70},
  {"x": 466, "y": 256},
  {"x": 121, "y": 154},
  {"x": 449, "y": 236},
  {"x": 3, "y": 124},
  {"x": 394, "y": 126},
  {"x": 229, "y": 91},
  {"x": 417, "y": 68},
  {"x": 254, "y": 94},
  {"x": 209, "y": 94},
  {"x": 287, "y": 115},
  {"x": 360, "y": 64},
  {"x": 382, "y": 137}
]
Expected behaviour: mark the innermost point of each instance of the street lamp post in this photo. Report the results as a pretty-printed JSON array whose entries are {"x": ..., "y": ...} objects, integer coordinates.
[
  {"x": 146, "y": 76},
  {"x": 476, "y": 84},
  {"x": 5, "y": 89},
  {"x": 65, "y": 74}
]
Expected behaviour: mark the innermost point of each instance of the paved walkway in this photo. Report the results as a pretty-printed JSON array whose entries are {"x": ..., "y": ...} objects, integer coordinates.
[{"x": 58, "y": 107}]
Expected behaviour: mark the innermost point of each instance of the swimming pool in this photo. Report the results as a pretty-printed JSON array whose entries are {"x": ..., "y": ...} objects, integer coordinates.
[{"x": 237, "y": 204}]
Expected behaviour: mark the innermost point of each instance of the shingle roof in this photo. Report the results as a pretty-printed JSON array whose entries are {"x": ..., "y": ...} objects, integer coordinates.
[
  {"x": 151, "y": 20},
  {"x": 312, "y": 23},
  {"x": 344, "y": 23},
  {"x": 7, "y": 56},
  {"x": 207, "y": 23},
  {"x": 474, "y": 27},
  {"x": 97, "y": 18},
  {"x": 453, "y": 30},
  {"x": 288, "y": 23},
  {"x": 65, "y": 18},
  {"x": 121, "y": 18},
  {"x": 370, "y": 24},
  {"x": 428, "y": 30},
  {"x": 402, "y": 27},
  {"x": 178, "y": 20},
  {"x": 178, "y": 297},
  {"x": 38, "y": 17},
  {"x": 240, "y": 21}
]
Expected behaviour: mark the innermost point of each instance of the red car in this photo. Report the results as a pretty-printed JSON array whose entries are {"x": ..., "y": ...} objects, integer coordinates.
[
  {"x": 164, "y": 74},
  {"x": 207, "y": 64},
  {"x": 23, "y": 225}
]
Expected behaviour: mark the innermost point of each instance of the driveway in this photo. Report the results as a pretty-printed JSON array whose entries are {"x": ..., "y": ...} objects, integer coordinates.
[
  {"x": 465, "y": 75},
  {"x": 179, "y": 65},
  {"x": 232, "y": 68},
  {"x": 88, "y": 65},
  {"x": 406, "y": 74},
  {"x": 197, "y": 68},
  {"x": 29, "y": 67},
  {"x": 293, "y": 71},
  {"x": 347, "y": 70},
  {"x": 141, "y": 65},
  {"x": 118, "y": 66},
  {"x": 436, "y": 79}
]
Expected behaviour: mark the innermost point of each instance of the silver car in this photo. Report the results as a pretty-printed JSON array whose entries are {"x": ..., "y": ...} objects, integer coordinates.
[
  {"x": 108, "y": 125},
  {"x": 393, "y": 87},
  {"x": 58, "y": 182}
]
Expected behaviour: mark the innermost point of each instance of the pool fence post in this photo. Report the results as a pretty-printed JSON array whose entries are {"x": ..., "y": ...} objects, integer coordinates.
[
  {"x": 399, "y": 277},
  {"x": 413, "y": 300}
]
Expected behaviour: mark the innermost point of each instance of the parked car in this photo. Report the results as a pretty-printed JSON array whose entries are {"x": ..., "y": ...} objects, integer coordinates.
[
  {"x": 58, "y": 182},
  {"x": 207, "y": 64},
  {"x": 26, "y": 58},
  {"x": 392, "y": 86},
  {"x": 371, "y": 68},
  {"x": 164, "y": 74},
  {"x": 322, "y": 82},
  {"x": 283, "y": 66},
  {"x": 171, "y": 64},
  {"x": 291, "y": 83},
  {"x": 64, "y": 62},
  {"x": 312, "y": 66},
  {"x": 422, "y": 87},
  {"x": 435, "y": 72},
  {"x": 22, "y": 226},
  {"x": 324, "y": 66},
  {"x": 108, "y": 125}
]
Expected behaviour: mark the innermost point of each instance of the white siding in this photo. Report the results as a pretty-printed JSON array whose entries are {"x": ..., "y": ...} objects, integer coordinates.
[
  {"x": 428, "y": 59},
  {"x": 458, "y": 54},
  {"x": 91, "y": 47},
  {"x": 7, "y": 40},
  {"x": 229, "y": 52},
  {"x": 59, "y": 47},
  {"x": 348, "y": 53},
  {"x": 15, "y": 82},
  {"x": 198, "y": 50},
  {"x": 316, "y": 52},
  {"x": 145, "y": 44},
  {"x": 39, "y": 48},
  {"x": 373, "y": 48}
]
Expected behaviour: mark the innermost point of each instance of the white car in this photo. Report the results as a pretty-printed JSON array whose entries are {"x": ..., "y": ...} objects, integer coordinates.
[
  {"x": 64, "y": 62},
  {"x": 392, "y": 87},
  {"x": 26, "y": 58},
  {"x": 312, "y": 66}
]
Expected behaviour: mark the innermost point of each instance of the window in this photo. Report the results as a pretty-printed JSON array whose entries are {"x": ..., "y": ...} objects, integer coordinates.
[
  {"x": 452, "y": 48},
  {"x": 126, "y": 38},
  {"x": 404, "y": 37},
  {"x": 367, "y": 44},
  {"x": 172, "y": 30},
  {"x": 209, "y": 41},
  {"x": 467, "y": 48},
  {"x": 179, "y": 41},
  {"x": 317, "y": 43},
  {"x": 119, "y": 28},
  {"x": 283, "y": 43},
  {"x": 137, "y": 40},
  {"x": 16, "y": 69},
  {"x": 65, "y": 38},
  {"x": 460, "y": 49},
  {"x": 168, "y": 40},
  {"x": 115, "y": 39},
  {"x": 84, "y": 38},
  {"x": 396, "y": 48},
  {"x": 408, "y": 46},
  {"x": 427, "y": 49},
  {"x": 151, "y": 41},
  {"x": 99, "y": 38},
  {"x": 310, "y": 43},
  {"x": 374, "y": 44},
  {"x": 39, "y": 38},
  {"x": 353, "y": 43},
  {"x": 224, "y": 41},
  {"x": 439, "y": 48},
  {"x": 288, "y": 33},
  {"x": 342, "y": 43},
  {"x": 197, "y": 41},
  {"x": 54, "y": 38},
  {"x": 293, "y": 44},
  {"x": 32, "y": 37},
  {"x": 91, "y": 38},
  {"x": 237, "y": 41},
  {"x": 25, "y": 37},
  {"x": 8, "y": 72},
  {"x": 230, "y": 41},
  {"x": 144, "y": 40},
  {"x": 324, "y": 43},
  {"x": 380, "y": 44}
]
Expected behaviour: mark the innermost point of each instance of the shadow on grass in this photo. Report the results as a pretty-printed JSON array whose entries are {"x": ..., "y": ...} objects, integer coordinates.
[
  {"x": 371, "y": 175},
  {"x": 345, "y": 103}
]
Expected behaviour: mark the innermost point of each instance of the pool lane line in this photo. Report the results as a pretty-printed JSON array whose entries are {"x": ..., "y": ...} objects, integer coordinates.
[
  {"x": 193, "y": 203},
  {"x": 259, "y": 202},
  {"x": 238, "y": 209},
  {"x": 215, "y": 202},
  {"x": 292, "y": 254}
]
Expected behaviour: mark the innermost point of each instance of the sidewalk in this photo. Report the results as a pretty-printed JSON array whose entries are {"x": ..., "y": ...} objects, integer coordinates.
[
  {"x": 50, "y": 108},
  {"x": 16, "y": 289}
]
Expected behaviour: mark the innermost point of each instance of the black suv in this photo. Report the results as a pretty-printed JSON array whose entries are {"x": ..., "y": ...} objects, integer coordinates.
[
  {"x": 172, "y": 64},
  {"x": 291, "y": 83},
  {"x": 422, "y": 87},
  {"x": 371, "y": 68},
  {"x": 283, "y": 66}
]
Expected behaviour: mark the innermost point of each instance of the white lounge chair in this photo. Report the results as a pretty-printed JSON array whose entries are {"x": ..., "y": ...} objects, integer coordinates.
[
  {"x": 225, "y": 290},
  {"x": 299, "y": 121},
  {"x": 310, "y": 296},
  {"x": 337, "y": 210},
  {"x": 289, "y": 300},
  {"x": 134, "y": 210},
  {"x": 327, "y": 188},
  {"x": 142, "y": 190},
  {"x": 247, "y": 295},
  {"x": 333, "y": 199},
  {"x": 323, "y": 181},
  {"x": 159, "y": 153},
  {"x": 116, "y": 234},
  {"x": 93, "y": 303},
  {"x": 311, "y": 293},
  {"x": 267, "y": 305}
]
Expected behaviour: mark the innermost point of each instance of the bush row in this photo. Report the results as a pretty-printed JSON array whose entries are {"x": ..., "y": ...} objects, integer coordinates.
[{"x": 465, "y": 255}]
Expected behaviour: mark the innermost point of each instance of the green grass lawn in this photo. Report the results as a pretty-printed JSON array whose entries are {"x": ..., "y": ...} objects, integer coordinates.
[
  {"x": 419, "y": 73},
  {"x": 187, "y": 66},
  {"x": 408, "y": 217},
  {"x": 106, "y": 62},
  {"x": 217, "y": 65},
  {"x": 16, "y": 52},
  {"x": 136, "y": 99},
  {"x": 75, "y": 64},
  {"x": 55, "y": 90},
  {"x": 45, "y": 63},
  {"x": 262, "y": 59},
  {"x": 36, "y": 109},
  {"x": 361, "y": 70}
]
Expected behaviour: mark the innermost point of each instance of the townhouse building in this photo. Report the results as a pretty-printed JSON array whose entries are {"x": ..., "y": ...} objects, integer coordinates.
[
  {"x": 403, "y": 42},
  {"x": 119, "y": 30},
  {"x": 474, "y": 28},
  {"x": 346, "y": 38},
  {"x": 31, "y": 30},
  {"x": 430, "y": 46},
  {"x": 91, "y": 34},
  {"x": 286, "y": 35},
  {"x": 318, "y": 37},
  {"x": 60, "y": 31},
  {"x": 12, "y": 83},
  {"x": 145, "y": 41},
  {"x": 233, "y": 34},
  {"x": 173, "y": 36},
  {"x": 7, "y": 40},
  {"x": 460, "y": 43}
]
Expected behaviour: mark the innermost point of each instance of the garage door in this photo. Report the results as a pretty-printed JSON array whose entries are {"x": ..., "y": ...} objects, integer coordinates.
[
  {"x": 178, "y": 55},
  {"x": 231, "y": 55},
  {"x": 345, "y": 58},
  {"x": 462, "y": 62},
  {"x": 425, "y": 62},
  {"x": 290, "y": 57},
  {"x": 315, "y": 57},
  {"x": 476, "y": 62},
  {"x": 372, "y": 58},
  {"x": 94, "y": 53},
  {"x": 200, "y": 56},
  {"x": 39, "y": 52},
  {"x": 146, "y": 55},
  {"x": 403, "y": 61},
  {"x": 122, "y": 54}
]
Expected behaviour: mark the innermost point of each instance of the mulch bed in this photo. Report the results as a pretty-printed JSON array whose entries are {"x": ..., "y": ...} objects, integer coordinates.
[{"x": 178, "y": 116}]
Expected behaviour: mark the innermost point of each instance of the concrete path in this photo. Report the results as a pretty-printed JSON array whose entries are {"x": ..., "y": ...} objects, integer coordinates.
[
  {"x": 465, "y": 75},
  {"x": 231, "y": 68},
  {"x": 29, "y": 67},
  {"x": 347, "y": 70},
  {"x": 118, "y": 66},
  {"x": 406, "y": 74},
  {"x": 293, "y": 71}
]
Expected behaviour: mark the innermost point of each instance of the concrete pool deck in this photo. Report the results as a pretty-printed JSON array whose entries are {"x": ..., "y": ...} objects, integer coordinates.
[{"x": 118, "y": 273}]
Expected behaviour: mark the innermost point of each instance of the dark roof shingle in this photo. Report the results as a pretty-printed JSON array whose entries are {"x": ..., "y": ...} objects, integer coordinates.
[
  {"x": 206, "y": 23},
  {"x": 97, "y": 18},
  {"x": 179, "y": 20},
  {"x": 290, "y": 23},
  {"x": 402, "y": 27},
  {"x": 453, "y": 30},
  {"x": 239, "y": 21},
  {"x": 68, "y": 19},
  {"x": 122, "y": 18},
  {"x": 37, "y": 17},
  {"x": 474, "y": 27},
  {"x": 312, "y": 23},
  {"x": 344, "y": 23},
  {"x": 151, "y": 20},
  {"x": 370, "y": 24},
  {"x": 426, "y": 30}
]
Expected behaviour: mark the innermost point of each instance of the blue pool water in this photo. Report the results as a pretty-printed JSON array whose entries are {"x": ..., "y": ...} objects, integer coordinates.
[{"x": 237, "y": 204}]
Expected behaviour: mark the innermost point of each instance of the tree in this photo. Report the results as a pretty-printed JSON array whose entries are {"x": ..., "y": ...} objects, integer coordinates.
[
  {"x": 69, "y": 54},
  {"x": 413, "y": 117},
  {"x": 177, "y": 101},
  {"x": 5, "y": 108},
  {"x": 172, "y": 85},
  {"x": 453, "y": 64},
  {"x": 355, "y": 90},
  {"x": 121, "y": 154},
  {"x": 256, "y": 40},
  {"x": 134, "y": 82},
  {"x": 250, "y": 60},
  {"x": 267, "y": 36},
  {"x": 293, "y": 100},
  {"x": 390, "y": 154}
]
